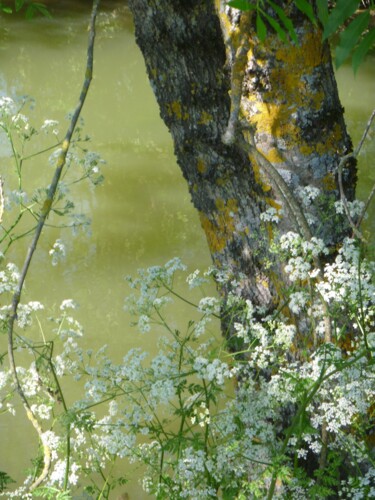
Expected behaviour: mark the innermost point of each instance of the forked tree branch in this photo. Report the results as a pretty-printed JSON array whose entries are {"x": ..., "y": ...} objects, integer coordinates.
[{"x": 60, "y": 163}]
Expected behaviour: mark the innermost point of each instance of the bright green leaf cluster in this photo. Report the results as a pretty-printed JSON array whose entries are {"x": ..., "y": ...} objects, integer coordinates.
[
  {"x": 356, "y": 37},
  {"x": 31, "y": 8}
]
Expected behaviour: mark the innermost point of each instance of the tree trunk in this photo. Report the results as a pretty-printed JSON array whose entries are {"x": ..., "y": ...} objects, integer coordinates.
[{"x": 288, "y": 99}]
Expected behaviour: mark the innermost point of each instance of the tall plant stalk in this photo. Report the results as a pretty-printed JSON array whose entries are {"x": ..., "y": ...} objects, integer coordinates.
[{"x": 60, "y": 164}]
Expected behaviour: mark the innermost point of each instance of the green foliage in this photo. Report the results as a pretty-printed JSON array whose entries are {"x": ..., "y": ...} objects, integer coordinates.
[
  {"x": 30, "y": 8},
  {"x": 306, "y": 8},
  {"x": 342, "y": 10},
  {"x": 5, "y": 480},
  {"x": 52, "y": 493},
  {"x": 242, "y": 5},
  {"x": 350, "y": 36},
  {"x": 356, "y": 37}
]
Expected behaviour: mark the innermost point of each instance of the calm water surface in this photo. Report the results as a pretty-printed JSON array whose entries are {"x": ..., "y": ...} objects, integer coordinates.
[{"x": 142, "y": 214}]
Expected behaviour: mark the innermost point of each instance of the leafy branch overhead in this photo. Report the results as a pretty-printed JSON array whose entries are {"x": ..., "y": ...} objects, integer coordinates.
[
  {"x": 348, "y": 18},
  {"x": 29, "y": 7}
]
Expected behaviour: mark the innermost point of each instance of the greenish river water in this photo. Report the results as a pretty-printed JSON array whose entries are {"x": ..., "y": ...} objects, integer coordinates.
[{"x": 142, "y": 214}]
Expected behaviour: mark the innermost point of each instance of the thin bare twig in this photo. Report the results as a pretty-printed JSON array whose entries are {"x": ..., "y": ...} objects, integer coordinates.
[
  {"x": 1, "y": 200},
  {"x": 342, "y": 162},
  {"x": 33, "y": 245},
  {"x": 366, "y": 131}
]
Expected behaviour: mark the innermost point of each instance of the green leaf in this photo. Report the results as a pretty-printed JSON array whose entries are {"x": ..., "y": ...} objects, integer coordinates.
[
  {"x": 285, "y": 20},
  {"x": 241, "y": 5},
  {"x": 307, "y": 9},
  {"x": 35, "y": 8},
  {"x": 322, "y": 6},
  {"x": 7, "y": 10},
  {"x": 362, "y": 49},
  {"x": 42, "y": 9},
  {"x": 261, "y": 28},
  {"x": 276, "y": 26},
  {"x": 349, "y": 37},
  {"x": 19, "y": 4},
  {"x": 338, "y": 15}
]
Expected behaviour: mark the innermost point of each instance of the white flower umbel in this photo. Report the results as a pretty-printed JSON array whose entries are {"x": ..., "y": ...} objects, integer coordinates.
[
  {"x": 50, "y": 126},
  {"x": 57, "y": 252}
]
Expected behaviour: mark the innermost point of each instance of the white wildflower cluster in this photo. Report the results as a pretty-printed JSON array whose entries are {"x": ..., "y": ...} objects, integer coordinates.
[
  {"x": 358, "y": 488},
  {"x": 307, "y": 194},
  {"x": 25, "y": 312},
  {"x": 346, "y": 281},
  {"x": 57, "y": 475},
  {"x": 295, "y": 245},
  {"x": 298, "y": 301},
  {"x": 13, "y": 121},
  {"x": 209, "y": 305},
  {"x": 7, "y": 106},
  {"x": 301, "y": 254},
  {"x": 212, "y": 370},
  {"x": 191, "y": 469},
  {"x": 57, "y": 252},
  {"x": 228, "y": 445},
  {"x": 68, "y": 328},
  {"x": 20, "y": 123},
  {"x": 15, "y": 198},
  {"x": 194, "y": 279},
  {"x": 68, "y": 304},
  {"x": 201, "y": 415},
  {"x": 270, "y": 215},
  {"x": 30, "y": 380},
  {"x": 50, "y": 126},
  {"x": 6, "y": 392},
  {"x": 266, "y": 340},
  {"x": 9, "y": 278},
  {"x": 114, "y": 440},
  {"x": 355, "y": 208},
  {"x": 153, "y": 285},
  {"x": 91, "y": 163}
]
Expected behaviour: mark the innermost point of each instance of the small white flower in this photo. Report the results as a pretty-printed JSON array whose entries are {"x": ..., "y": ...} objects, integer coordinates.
[
  {"x": 50, "y": 125},
  {"x": 194, "y": 280},
  {"x": 144, "y": 324},
  {"x": 270, "y": 215},
  {"x": 68, "y": 304},
  {"x": 57, "y": 252}
]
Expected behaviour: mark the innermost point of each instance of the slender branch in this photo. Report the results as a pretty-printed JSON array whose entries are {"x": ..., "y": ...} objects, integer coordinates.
[
  {"x": 280, "y": 186},
  {"x": 364, "y": 135},
  {"x": 1, "y": 199},
  {"x": 367, "y": 204},
  {"x": 54, "y": 146},
  {"x": 61, "y": 160},
  {"x": 291, "y": 204},
  {"x": 342, "y": 162},
  {"x": 343, "y": 197}
]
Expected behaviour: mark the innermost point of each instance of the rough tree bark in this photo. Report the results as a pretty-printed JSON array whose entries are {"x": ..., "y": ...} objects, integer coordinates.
[{"x": 288, "y": 98}]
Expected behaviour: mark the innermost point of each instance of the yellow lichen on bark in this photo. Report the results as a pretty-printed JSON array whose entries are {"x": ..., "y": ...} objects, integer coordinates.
[
  {"x": 205, "y": 118},
  {"x": 201, "y": 166},
  {"x": 307, "y": 55},
  {"x": 329, "y": 182},
  {"x": 216, "y": 241},
  {"x": 273, "y": 156},
  {"x": 221, "y": 228},
  {"x": 273, "y": 203},
  {"x": 259, "y": 178},
  {"x": 271, "y": 118},
  {"x": 175, "y": 109},
  {"x": 287, "y": 81}
]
